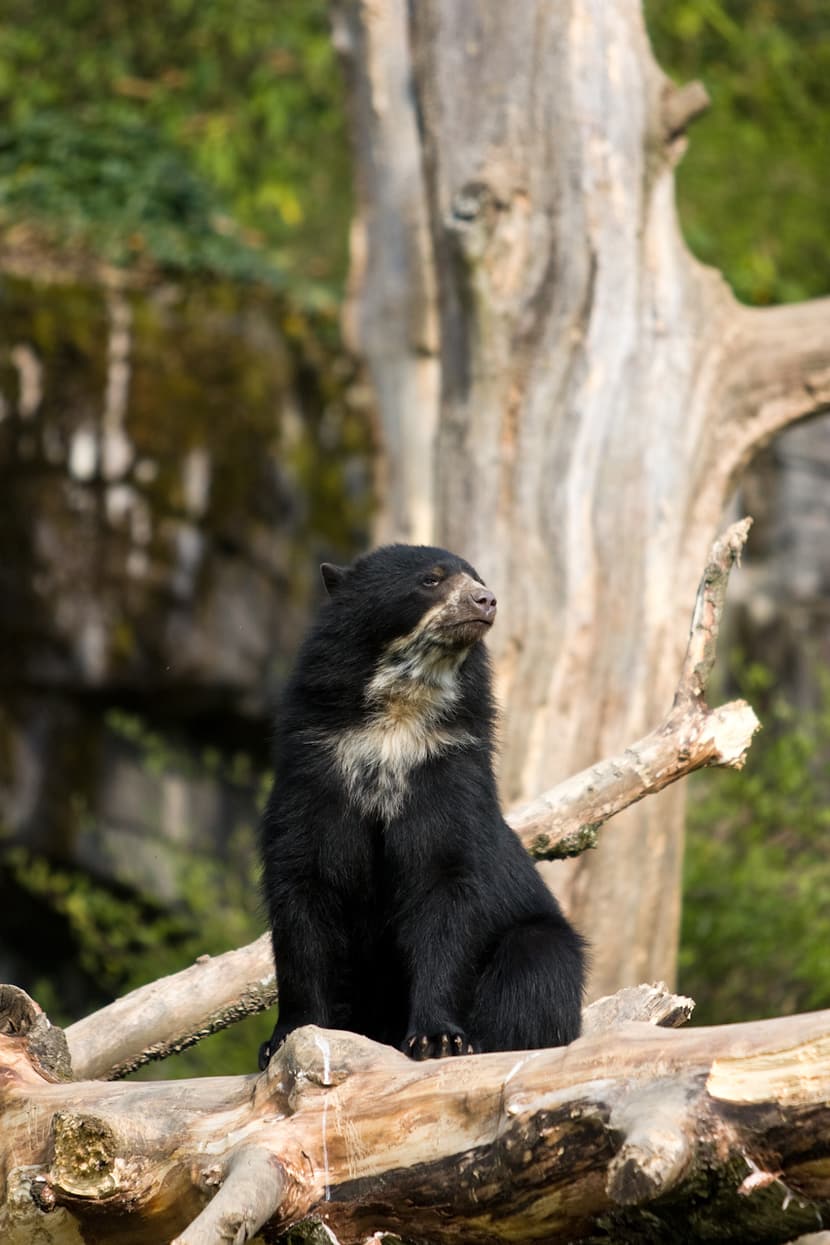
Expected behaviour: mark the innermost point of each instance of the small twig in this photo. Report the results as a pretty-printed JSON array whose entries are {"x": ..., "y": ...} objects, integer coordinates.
[{"x": 709, "y": 604}]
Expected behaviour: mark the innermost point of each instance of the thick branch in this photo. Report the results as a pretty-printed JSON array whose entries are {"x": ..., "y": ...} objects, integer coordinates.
[
  {"x": 160, "y": 1018},
  {"x": 249, "y": 1196},
  {"x": 174, "y": 1012},
  {"x": 551, "y": 1146},
  {"x": 564, "y": 820},
  {"x": 777, "y": 371},
  {"x": 709, "y": 603}
]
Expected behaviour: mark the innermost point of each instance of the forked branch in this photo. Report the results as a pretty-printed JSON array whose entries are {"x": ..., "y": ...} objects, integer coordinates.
[{"x": 564, "y": 821}]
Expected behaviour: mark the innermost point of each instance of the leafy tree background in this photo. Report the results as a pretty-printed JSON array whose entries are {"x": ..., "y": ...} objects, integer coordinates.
[
  {"x": 753, "y": 188},
  {"x": 204, "y": 135},
  {"x": 756, "y": 921},
  {"x": 208, "y": 138}
]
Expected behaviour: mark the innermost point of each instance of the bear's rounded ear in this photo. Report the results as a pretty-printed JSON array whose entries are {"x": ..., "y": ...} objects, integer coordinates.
[{"x": 333, "y": 576}]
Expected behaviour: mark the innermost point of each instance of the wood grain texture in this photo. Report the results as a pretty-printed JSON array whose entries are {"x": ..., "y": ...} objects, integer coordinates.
[
  {"x": 600, "y": 391},
  {"x": 170, "y": 1014},
  {"x": 727, "y": 1126}
]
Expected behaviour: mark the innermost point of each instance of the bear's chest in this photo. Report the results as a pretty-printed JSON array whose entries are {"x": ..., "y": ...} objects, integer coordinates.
[{"x": 409, "y": 725}]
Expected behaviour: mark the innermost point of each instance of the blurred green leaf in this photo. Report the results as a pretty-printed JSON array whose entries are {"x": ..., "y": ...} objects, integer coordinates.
[
  {"x": 130, "y": 129},
  {"x": 753, "y": 189},
  {"x": 123, "y": 939}
]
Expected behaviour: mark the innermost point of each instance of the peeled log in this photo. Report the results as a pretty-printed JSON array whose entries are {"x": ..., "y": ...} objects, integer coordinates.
[{"x": 170, "y": 1014}]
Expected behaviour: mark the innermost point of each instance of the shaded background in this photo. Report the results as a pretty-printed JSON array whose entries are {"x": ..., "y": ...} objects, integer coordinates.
[{"x": 183, "y": 439}]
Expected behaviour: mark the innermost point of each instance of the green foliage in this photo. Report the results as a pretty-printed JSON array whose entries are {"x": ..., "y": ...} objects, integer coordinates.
[
  {"x": 160, "y": 755},
  {"x": 118, "y": 189},
  {"x": 122, "y": 939},
  {"x": 111, "y": 930},
  {"x": 184, "y": 106},
  {"x": 234, "y": 112},
  {"x": 753, "y": 189},
  {"x": 756, "y": 920}
]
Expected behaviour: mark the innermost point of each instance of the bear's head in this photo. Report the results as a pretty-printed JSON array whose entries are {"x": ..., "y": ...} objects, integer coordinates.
[{"x": 412, "y": 598}]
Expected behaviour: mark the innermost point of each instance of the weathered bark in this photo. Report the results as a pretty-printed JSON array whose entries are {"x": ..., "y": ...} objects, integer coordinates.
[
  {"x": 600, "y": 390},
  {"x": 390, "y": 251},
  {"x": 174, "y": 1012},
  {"x": 168, "y": 1015},
  {"x": 706, "y": 1130}
]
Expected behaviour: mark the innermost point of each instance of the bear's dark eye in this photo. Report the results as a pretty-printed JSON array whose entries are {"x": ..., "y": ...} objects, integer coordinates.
[{"x": 431, "y": 581}]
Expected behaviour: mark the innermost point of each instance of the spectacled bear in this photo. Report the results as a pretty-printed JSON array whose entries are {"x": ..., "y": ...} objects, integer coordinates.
[{"x": 401, "y": 904}]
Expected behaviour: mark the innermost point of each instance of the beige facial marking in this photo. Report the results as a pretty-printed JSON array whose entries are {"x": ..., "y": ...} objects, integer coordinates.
[{"x": 409, "y": 698}]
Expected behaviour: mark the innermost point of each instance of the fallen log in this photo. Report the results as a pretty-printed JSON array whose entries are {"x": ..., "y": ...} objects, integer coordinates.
[{"x": 719, "y": 1133}]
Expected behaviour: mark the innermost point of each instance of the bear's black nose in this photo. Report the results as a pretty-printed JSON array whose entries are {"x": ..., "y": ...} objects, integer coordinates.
[{"x": 485, "y": 603}]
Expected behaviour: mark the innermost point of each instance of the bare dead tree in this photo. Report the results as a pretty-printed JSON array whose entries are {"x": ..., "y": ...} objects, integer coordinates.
[{"x": 597, "y": 391}]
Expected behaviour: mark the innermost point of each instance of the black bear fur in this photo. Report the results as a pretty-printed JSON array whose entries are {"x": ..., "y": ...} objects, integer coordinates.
[{"x": 401, "y": 904}]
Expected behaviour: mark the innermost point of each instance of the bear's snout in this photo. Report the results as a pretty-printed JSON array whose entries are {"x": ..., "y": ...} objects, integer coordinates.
[{"x": 485, "y": 603}]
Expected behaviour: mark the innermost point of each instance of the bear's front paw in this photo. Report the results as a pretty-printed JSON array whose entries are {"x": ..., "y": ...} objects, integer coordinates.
[
  {"x": 275, "y": 1041},
  {"x": 437, "y": 1045}
]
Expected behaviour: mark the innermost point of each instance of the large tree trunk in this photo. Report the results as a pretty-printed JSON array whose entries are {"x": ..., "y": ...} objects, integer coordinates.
[{"x": 600, "y": 390}]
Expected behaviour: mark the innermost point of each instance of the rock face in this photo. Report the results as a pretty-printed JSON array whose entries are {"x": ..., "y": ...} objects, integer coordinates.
[
  {"x": 173, "y": 463},
  {"x": 784, "y": 597},
  {"x": 159, "y": 458}
]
